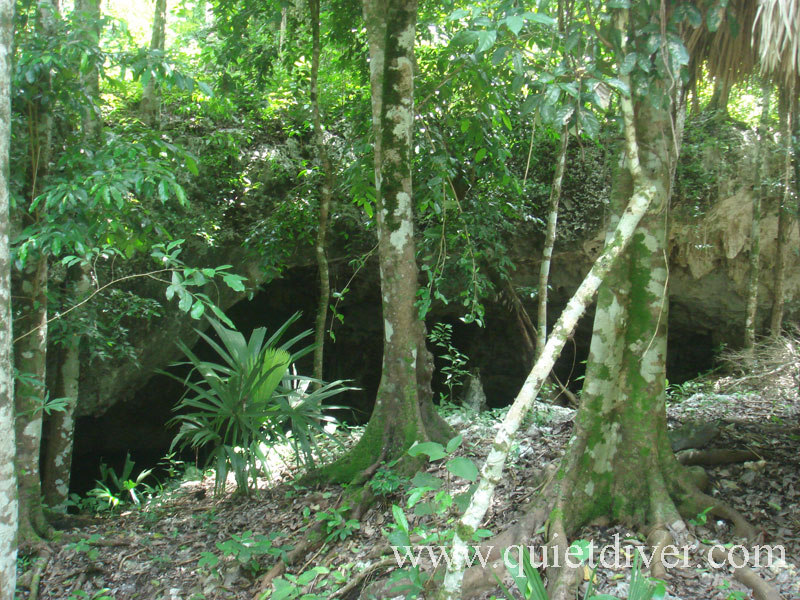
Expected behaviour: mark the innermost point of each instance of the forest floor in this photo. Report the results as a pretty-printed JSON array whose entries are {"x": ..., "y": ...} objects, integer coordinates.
[{"x": 185, "y": 544}]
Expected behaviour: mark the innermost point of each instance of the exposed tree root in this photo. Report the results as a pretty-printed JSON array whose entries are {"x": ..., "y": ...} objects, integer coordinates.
[
  {"x": 716, "y": 457},
  {"x": 358, "y": 579},
  {"x": 39, "y": 567},
  {"x": 762, "y": 590}
]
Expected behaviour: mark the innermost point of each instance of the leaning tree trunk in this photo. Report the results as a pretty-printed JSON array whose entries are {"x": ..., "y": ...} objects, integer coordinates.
[
  {"x": 644, "y": 192},
  {"x": 784, "y": 215},
  {"x": 324, "y": 201},
  {"x": 619, "y": 463},
  {"x": 8, "y": 479},
  {"x": 549, "y": 242},
  {"x": 755, "y": 229},
  {"x": 151, "y": 97},
  {"x": 403, "y": 411},
  {"x": 60, "y": 425}
]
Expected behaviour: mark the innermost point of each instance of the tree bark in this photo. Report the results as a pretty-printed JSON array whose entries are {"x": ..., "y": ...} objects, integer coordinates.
[
  {"x": 151, "y": 96},
  {"x": 60, "y": 425},
  {"x": 784, "y": 214},
  {"x": 755, "y": 229},
  {"x": 403, "y": 411},
  {"x": 30, "y": 313},
  {"x": 89, "y": 13},
  {"x": 8, "y": 479},
  {"x": 549, "y": 242},
  {"x": 324, "y": 201}
]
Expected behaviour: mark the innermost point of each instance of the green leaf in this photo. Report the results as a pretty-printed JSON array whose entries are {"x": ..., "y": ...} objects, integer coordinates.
[
  {"x": 234, "y": 282},
  {"x": 480, "y": 154},
  {"x": 185, "y": 302},
  {"x": 426, "y": 480},
  {"x": 454, "y": 443},
  {"x": 463, "y": 467},
  {"x": 400, "y": 517},
  {"x": 514, "y": 23},
  {"x": 486, "y": 39},
  {"x": 432, "y": 450},
  {"x": 628, "y": 63},
  {"x": 619, "y": 85},
  {"x": 538, "y": 17},
  {"x": 197, "y": 310}
]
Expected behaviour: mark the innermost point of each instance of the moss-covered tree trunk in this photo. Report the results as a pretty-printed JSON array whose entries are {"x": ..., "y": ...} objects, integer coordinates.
[
  {"x": 755, "y": 229},
  {"x": 403, "y": 411},
  {"x": 8, "y": 479},
  {"x": 151, "y": 98}
]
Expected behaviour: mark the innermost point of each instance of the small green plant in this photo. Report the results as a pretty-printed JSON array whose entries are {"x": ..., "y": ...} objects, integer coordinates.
[
  {"x": 529, "y": 583},
  {"x": 678, "y": 392},
  {"x": 725, "y": 586},
  {"x": 455, "y": 369},
  {"x": 291, "y": 586},
  {"x": 86, "y": 546},
  {"x": 386, "y": 481},
  {"x": 250, "y": 402},
  {"x": 701, "y": 518},
  {"x": 246, "y": 549},
  {"x": 336, "y": 526},
  {"x": 111, "y": 489},
  {"x": 430, "y": 495}
]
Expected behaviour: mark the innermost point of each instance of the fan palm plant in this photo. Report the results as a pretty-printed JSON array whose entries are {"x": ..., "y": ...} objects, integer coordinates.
[{"x": 250, "y": 401}]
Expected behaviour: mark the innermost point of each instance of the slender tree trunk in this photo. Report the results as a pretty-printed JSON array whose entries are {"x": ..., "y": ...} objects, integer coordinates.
[
  {"x": 784, "y": 215},
  {"x": 325, "y": 198},
  {"x": 720, "y": 97},
  {"x": 151, "y": 96},
  {"x": 30, "y": 310},
  {"x": 89, "y": 13},
  {"x": 549, "y": 242},
  {"x": 60, "y": 425},
  {"x": 57, "y": 464},
  {"x": 282, "y": 32},
  {"x": 30, "y": 314},
  {"x": 8, "y": 480},
  {"x": 403, "y": 411},
  {"x": 755, "y": 229}
]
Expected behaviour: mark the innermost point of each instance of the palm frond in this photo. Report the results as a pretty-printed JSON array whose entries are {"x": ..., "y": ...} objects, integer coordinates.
[{"x": 777, "y": 27}]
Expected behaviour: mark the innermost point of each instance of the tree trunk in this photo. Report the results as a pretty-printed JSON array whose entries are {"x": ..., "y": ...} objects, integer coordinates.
[
  {"x": 403, "y": 411},
  {"x": 30, "y": 313},
  {"x": 89, "y": 13},
  {"x": 60, "y": 425},
  {"x": 755, "y": 229},
  {"x": 645, "y": 190},
  {"x": 30, "y": 310},
  {"x": 784, "y": 214},
  {"x": 151, "y": 96},
  {"x": 549, "y": 242},
  {"x": 324, "y": 201},
  {"x": 8, "y": 479}
]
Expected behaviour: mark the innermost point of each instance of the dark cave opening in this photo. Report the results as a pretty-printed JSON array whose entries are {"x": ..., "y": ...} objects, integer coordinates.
[{"x": 140, "y": 425}]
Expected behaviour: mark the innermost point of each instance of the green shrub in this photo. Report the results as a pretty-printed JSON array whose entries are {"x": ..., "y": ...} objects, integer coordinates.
[{"x": 249, "y": 402}]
